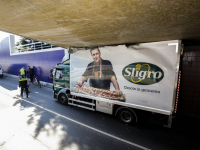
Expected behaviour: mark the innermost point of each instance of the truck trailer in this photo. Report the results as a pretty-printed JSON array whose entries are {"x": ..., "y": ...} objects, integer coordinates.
[{"x": 127, "y": 81}]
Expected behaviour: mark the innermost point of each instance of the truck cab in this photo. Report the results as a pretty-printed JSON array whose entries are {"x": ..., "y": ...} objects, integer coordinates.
[{"x": 61, "y": 80}]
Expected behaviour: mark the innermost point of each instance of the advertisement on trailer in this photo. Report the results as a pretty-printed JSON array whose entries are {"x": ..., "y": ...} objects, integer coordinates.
[{"x": 142, "y": 74}]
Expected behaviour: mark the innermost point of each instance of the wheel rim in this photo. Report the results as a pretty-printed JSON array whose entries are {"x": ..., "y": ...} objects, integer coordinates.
[
  {"x": 126, "y": 116},
  {"x": 62, "y": 99}
]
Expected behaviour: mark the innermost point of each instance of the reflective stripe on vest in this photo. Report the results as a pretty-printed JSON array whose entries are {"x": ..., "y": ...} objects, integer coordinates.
[{"x": 22, "y": 79}]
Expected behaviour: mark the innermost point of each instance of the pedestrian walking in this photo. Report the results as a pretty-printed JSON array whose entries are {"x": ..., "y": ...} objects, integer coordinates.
[{"x": 23, "y": 85}]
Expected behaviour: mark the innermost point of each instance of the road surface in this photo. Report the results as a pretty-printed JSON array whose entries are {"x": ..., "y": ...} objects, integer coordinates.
[{"x": 55, "y": 126}]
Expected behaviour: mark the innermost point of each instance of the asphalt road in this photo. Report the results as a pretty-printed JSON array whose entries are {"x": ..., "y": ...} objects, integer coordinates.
[{"x": 75, "y": 128}]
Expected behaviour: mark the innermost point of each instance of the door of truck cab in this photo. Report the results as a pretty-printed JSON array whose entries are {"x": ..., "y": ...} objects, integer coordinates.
[{"x": 58, "y": 80}]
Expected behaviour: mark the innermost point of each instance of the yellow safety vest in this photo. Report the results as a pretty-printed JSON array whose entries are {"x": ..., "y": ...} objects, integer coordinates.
[
  {"x": 22, "y": 79},
  {"x": 20, "y": 47},
  {"x": 22, "y": 71}
]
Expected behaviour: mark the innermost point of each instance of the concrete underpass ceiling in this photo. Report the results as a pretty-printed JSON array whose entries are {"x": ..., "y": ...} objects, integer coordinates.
[{"x": 88, "y": 23}]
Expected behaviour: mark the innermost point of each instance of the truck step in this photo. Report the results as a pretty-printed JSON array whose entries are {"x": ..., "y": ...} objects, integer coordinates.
[
  {"x": 75, "y": 100},
  {"x": 81, "y": 106}
]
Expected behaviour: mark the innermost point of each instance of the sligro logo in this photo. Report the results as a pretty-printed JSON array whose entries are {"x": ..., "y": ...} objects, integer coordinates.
[{"x": 143, "y": 73}]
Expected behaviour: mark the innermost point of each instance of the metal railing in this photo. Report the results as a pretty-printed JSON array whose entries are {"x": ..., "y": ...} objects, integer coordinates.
[{"x": 33, "y": 47}]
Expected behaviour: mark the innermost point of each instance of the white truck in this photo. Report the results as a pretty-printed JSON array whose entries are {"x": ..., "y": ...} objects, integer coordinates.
[{"x": 125, "y": 81}]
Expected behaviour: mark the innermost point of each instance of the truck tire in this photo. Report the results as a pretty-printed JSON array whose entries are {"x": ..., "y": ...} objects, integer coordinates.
[
  {"x": 63, "y": 99},
  {"x": 126, "y": 116}
]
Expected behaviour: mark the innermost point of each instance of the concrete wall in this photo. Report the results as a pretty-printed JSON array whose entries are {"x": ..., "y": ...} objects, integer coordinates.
[{"x": 189, "y": 98}]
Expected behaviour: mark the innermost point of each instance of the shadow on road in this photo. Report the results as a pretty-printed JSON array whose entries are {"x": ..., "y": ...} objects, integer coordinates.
[{"x": 59, "y": 133}]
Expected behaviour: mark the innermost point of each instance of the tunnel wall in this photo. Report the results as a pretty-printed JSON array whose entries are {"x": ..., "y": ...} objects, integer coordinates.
[{"x": 41, "y": 62}]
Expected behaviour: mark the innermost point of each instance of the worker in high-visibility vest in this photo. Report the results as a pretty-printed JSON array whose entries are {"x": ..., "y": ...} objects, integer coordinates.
[
  {"x": 23, "y": 72},
  {"x": 23, "y": 85},
  {"x": 20, "y": 47}
]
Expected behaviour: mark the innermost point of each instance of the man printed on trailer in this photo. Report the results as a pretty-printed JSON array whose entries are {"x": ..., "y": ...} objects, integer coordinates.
[{"x": 100, "y": 73}]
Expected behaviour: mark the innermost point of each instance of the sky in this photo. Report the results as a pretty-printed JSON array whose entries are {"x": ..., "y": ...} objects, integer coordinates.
[
  {"x": 3, "y": 35},
  {"x": 6, "y": 34}
]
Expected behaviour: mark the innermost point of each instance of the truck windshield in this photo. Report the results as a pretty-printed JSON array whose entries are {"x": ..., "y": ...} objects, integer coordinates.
[
  {"x": 65, "y": 58},
  {"x": 59, "y": 74}
]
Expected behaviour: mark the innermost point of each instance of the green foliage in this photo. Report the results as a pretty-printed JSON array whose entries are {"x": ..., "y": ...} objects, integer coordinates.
[{"x": 25, "y": 40}]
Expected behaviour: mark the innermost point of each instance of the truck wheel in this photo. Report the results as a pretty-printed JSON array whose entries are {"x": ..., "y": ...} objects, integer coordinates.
[
  {"x": 63, "y": 99},
  {"x": 126, "y": 116}
]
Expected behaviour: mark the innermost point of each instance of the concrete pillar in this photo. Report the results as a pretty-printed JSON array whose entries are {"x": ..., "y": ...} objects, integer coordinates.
[{"x": 12, "y": 43}]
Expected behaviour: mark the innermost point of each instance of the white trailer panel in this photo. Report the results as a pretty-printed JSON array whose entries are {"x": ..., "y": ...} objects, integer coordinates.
[{"x": 146, "y": 74}]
